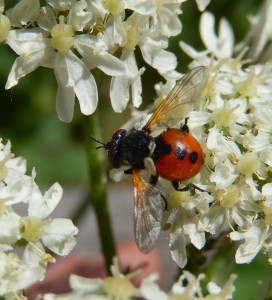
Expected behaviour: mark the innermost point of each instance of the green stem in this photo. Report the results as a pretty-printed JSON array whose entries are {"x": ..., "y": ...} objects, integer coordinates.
[{"x": 98, "y": 195}]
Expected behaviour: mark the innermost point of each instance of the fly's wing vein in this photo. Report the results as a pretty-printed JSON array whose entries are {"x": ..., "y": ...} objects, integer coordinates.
[
  {"x": 187, "y": 90},
  {"x": 148, "y": 211}
]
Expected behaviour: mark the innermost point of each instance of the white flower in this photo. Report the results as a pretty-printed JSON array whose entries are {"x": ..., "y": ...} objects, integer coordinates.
[
  {"x": 260, "y": 34},
  {"x": 14, "y": 185},
  {"x": 253, "y": 240},
  {"x": 92, "y": 32},
  {"x": 117, "y": 286},
  {"x": 73, "y": 76},
  {"x": 120, "y": 86},
  {"x": 148, "y": 33},
  {"x": 149, "y": 289},
  {"x": 234, "y": 206},
  {"x": 120, "y": 287},
  {"x": 186, "y": 224},
  {"x": 189, "y": 287},
  {"x": 15, "y": 275},
  {"x": 221, "y": 46},
  {"x": 166, "y": 17},
  {"x": 232, "y": 124},
  {"x": 33, "y": 231},
  {"x": 56, "y": 234}
]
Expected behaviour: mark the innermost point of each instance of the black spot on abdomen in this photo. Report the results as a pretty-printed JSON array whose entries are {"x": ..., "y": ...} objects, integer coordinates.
[
  {"x": 180, "y": 152},
  {"x": 161, "y": 148},
  {"x": 193, "y": 156}
]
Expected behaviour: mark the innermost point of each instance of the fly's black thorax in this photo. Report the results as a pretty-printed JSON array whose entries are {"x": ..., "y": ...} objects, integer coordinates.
[{"x": 136, "y": 146}]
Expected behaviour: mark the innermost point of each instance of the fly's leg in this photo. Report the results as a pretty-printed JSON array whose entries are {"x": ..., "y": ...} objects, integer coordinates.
[
  {"x": 188, "y": 187},
  {"x": 185, "y": 127}
]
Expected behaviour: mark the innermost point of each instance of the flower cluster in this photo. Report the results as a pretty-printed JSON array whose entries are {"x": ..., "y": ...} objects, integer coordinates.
[
  {"x": 120, "y": 286},
  {"x": 34, "y": 232},
  {"x": 75, "y": 37},
  {"x": 233, "y": 124}
]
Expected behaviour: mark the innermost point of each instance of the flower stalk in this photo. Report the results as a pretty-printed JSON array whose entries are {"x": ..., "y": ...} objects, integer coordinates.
[{"x": 98, "y": 195}]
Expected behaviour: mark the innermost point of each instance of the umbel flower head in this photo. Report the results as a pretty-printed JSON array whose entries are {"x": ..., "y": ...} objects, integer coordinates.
[
  {"x": 120, "y": 286},
  {"x": 231, "y": 121},
  {"x": 34, "y": 231},
  {"x": 75, "y": 37}
]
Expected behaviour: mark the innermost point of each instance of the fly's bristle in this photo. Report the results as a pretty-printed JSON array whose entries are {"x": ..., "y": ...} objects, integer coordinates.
[{"x": 103, "y": 145}]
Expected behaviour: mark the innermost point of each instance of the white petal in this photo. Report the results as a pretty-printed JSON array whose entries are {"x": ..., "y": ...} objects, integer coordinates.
[
  {"x": 17, "y": 275},
  {"x": 267, "y": 193},
  {"x": 177, "y": 246},
  {"x": 214, "y": 219},
  {"x": 65, "y": 101},
  {"x": 109, "y": 64},
  {"x": 143, "y": 7},
  {"x": 101, "y": 59},
  {"x": 25, "y": 64},
  {"x": 17, "y": 190},
  {"x": 83, "y": 83},
  {"x": 198, "y": 119},
  {"x": 256, "y": 194},
  {"x": 224, "y": 175},
  {"x": 87, "y": 284},
  {"x": 10, "y": 228},
  {"x": 221, "y": 45},
  {"x": 159, "y": 59},
  {"x": 58, "y": 236},
  {"x": 191, "y": 228},
  {"x": 266, "y": 155},
  {"x": 170, "y": 24},
  {"x": 164, "y": 61},
  {"x": 33, "y": 256},
  {"x": 189, "y": 50},
  {"x": 65, "y": 98},
  {"x": 177, "y": 241},
  {"x": 202, "y": 4},
  {"x": 47, "y": 18},
  {"x": 26, "y": 11},
  {"x": 120, "y": 85},
  {"x": 253, "y": 238},
  {"x": 115, "y": 33},
  {"x": 150, "y": 290},
  {"x": 41, "y": 207},
  {"x": 208, "y": 36},
  {"x": 136, "y": 89},
  {"x": 60, "y": 5},
  {"x": 119, "y": 93},
  {"x": 27, "y": 40},
  {"x": 79, "y": 16},
  {"x": 18, "y": 164},
  {"x": 226, "y": 38}
]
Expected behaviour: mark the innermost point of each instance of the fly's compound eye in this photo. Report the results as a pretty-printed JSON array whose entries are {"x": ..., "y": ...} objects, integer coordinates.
[{"x": 113, "y": 147}]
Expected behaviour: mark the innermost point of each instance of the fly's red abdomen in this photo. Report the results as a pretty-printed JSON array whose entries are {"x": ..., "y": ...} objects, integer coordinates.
[{"x": 178, "y": 155}]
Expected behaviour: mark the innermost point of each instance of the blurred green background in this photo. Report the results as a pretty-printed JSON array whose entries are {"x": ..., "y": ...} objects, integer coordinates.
[{"x": 56, "y": 149}]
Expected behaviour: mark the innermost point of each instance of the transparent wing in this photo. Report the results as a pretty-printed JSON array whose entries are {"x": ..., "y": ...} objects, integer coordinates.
[
  {"x": 148, "y": 211},
  {"x": 187, "y": 90}
]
